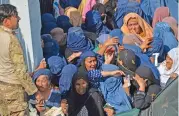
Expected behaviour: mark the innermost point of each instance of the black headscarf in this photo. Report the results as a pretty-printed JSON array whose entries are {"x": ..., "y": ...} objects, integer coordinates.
[{"x": 77, "y": 100}]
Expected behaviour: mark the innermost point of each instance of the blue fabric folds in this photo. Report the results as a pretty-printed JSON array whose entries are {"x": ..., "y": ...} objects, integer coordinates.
[
  {"x": 56, "y": 64},
  {"x": 102, "y": 38},
  {"x": 163, "y": 31},
  {"x": 76, "y": 40},
  {"x": 117, "y": 33},
  {"x": 157, "y": 47},
  {"x": 67, "y": 74},
  {"x": 113, "y": 91},
  {"x": 93, "y": 23},
  {"x": 124, "y": 7},
  {"x": 51, "y": 47},
  {"x": 149, "y": 6}
]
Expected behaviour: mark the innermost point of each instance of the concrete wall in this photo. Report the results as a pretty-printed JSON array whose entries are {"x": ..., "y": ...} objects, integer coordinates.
[{"x": 29, "y": 30}]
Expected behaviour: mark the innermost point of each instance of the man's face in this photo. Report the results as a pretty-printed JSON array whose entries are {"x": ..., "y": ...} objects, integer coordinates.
[
  {"x": 12, "y": 22},
  {"x": 15, "y": 22}
]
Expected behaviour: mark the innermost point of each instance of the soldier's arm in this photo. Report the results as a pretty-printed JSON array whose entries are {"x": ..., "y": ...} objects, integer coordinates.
[{"x": 16, "y": 55}]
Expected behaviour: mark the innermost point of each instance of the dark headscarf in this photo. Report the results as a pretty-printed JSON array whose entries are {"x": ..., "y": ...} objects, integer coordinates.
[
  {"x": 51, "y": 47},
  {"x": 93, "y": 23},
  {"x": 64, "y": 23},
  {"x": 77, "y": 99},
  {"x": 47, "y": 17},
  {"x": 48, "y": 23},
  {"x": 76, "y": 41},
  {"x": 48, "y": 27}
]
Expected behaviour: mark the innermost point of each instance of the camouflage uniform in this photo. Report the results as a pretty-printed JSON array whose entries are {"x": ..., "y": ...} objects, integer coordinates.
[{"x": 14, "y": 79}]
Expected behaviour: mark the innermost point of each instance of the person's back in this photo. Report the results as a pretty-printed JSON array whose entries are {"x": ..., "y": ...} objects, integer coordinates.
[{"x": 14, "y": 80}]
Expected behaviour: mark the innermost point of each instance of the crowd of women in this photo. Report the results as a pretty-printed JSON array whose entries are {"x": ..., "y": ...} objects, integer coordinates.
[{"x": 105, "y": 57}]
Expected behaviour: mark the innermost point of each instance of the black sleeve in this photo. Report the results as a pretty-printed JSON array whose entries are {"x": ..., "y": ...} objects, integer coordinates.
[
  {"x": 95, "y": 105},
  {"x": 143, "y": 100}
]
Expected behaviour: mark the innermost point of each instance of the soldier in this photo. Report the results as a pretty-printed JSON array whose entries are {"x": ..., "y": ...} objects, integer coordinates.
[{"x": 15, "y": 82}]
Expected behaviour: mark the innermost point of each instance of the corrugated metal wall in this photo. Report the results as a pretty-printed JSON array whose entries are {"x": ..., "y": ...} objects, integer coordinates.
[{"x": 4, "y": 1}]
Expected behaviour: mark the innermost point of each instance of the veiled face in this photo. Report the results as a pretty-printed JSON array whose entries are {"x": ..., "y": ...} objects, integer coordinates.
[
  {"x": 81, "y": 86},
  {"x": 133, "y": 26},
  {"x": 169, "y": 62}
]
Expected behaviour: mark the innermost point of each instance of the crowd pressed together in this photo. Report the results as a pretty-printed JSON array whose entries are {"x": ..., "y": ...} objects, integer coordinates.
[{"x": 101, "y": 58}]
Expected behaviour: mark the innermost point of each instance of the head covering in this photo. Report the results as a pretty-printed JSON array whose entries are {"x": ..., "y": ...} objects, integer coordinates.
[
  {"x": 67, "y": 74},
  {"x": 146, "y": 28},
  {"x": 42, "y": 72},
  {"x": 173, "y": 24},
  {"x": 163, "y": 30},
  {"x": 124, "y": 7},
  {"x": 51, "y": 47},
  {"x": 165, "y": 74},
  {"x": 84, "y": 55},
  {"x": 160, "y": 13},
  {"x": 64, "y": 23},
  {"x": 74, "y": 15},
  {"x": 56, "y": 64},
  {"x": 76, "y": 41},
  {"x": 93, "y": 23},
  {"x": 131, "y": 39},
  {"x": 99, "y": 7},
  {"x": 59, "y": 35},
  {"x": 146, "y": 73},
  {"x": 117, "y": 33},
  {"x": 85, "y": 6},
  {"x": 47, "y": 17},
  {"x": 128, "y": 59},
  {"x": 113, "y": 92},
  {"x": 47, "y": 27},
  {"x": 102, "y": 38},
  {"x": 78, "y": 101},
  {"x": 48, "y": 23}
]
